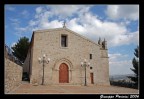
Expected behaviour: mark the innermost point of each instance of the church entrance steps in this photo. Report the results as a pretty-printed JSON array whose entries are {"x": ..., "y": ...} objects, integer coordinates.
[
  {"x": 68, "y": 84},
  {"x": 25, "y": 82}
]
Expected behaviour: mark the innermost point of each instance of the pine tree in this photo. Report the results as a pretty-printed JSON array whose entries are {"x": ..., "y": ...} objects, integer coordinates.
[
  {"x": 135, "y": 63},
  {"x": 21, "y": 48}
]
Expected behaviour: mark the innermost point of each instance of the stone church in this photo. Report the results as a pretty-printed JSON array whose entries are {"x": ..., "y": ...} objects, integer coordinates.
[{"x": 73, "y": 59}]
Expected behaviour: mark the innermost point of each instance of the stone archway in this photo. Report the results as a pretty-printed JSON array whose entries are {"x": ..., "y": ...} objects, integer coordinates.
[
  {"x": 63, "y": 73},
  {"x": 68, "y": 70}
]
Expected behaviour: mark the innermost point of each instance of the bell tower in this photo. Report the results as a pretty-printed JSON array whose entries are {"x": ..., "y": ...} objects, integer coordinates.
[{"x": 104, "y": 62}]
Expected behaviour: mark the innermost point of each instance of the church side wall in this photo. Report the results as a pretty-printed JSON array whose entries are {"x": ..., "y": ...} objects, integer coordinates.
[
  {"x": 26, "y": 63},
  {"x": 27, "y": 66}
]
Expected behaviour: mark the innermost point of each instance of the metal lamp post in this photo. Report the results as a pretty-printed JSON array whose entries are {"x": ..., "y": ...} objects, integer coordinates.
[
  {"x": 85, "y": 64},
  {"x": 43, "y": 60}
]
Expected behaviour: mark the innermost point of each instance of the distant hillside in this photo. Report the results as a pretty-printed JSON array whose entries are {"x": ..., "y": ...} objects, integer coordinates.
[{"x": 120, "y": 77}]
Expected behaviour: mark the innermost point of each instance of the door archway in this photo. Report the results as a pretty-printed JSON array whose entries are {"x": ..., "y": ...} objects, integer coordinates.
[{"x": 63, "y": 73}]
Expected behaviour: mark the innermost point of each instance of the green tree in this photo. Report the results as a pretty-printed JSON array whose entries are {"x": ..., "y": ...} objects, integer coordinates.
[
  {"x": 135, "y": 63},
  {"x": 20, "y": 49}
]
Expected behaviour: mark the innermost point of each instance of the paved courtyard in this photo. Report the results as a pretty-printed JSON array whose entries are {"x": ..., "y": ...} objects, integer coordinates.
[{"x": 69, "y": 89}]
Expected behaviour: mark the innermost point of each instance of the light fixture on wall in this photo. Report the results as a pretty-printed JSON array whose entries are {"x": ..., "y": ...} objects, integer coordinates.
[
  {"x": 85, "y": 64},
  {"x": 43, "y": 60}
]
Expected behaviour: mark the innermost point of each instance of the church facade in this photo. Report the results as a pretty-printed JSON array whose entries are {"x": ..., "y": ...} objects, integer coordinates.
[{"x": 68, "y": 52}]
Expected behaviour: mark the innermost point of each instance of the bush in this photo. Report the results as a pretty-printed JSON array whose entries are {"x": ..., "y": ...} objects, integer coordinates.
[{"x": 123, "y": 83}]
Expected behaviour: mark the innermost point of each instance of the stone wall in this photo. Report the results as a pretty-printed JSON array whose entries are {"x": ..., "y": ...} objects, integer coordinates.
[{"x": 13, "y": 75}]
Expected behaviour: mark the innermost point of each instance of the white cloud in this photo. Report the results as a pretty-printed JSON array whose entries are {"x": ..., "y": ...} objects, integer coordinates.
[
  {"x": 93, "y": 28},
  {"x": 9, "y": 8},
  {"x": 116, "y": 34},
  {"x": 123, "y": 11},
  {"x": 25, "y": 13},
  {"x": 32, "y": 23},
  {"x": 19, "y": 31},
  {"x": 64, "y": 11},
  {"x": 117, "y": 57},
  {"x": 14, "y": 22},
  {"x": 125, "y": 39},
  {"x": 52, "y": 24},
  {"x": 39, "y": 9},
  {"x": 13, "y": 44},
  {"x": 73, "y": 25},
  {"x": 22, "y": 29},
  {"x": 84, "y": 23},
  {"x": 120, "y": 67},
  {"x": 119, "y": 64}
]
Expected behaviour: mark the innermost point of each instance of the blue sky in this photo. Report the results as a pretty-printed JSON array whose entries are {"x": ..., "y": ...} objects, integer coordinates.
[{"x": 118, "y": 24}]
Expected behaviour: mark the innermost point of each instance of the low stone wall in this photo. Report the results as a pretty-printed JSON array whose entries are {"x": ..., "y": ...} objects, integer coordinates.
[{"x": 13, "y": 75}]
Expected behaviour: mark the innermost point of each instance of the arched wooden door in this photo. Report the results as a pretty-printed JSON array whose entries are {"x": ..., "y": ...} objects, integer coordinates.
[{"x": 63, "y": 73}]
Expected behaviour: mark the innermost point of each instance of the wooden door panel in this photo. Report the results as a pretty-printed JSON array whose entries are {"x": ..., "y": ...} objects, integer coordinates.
[
  {"x": 91, "y": 76},
  {"x": 63, "y": 73}
]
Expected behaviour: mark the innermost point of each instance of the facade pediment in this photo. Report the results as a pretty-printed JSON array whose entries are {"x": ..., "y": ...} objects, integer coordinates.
[{"x": 68, "y": 30}]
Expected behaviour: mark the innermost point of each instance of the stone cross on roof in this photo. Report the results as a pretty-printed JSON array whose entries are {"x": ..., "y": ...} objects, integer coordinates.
[{"x": 64, "y": 24}]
